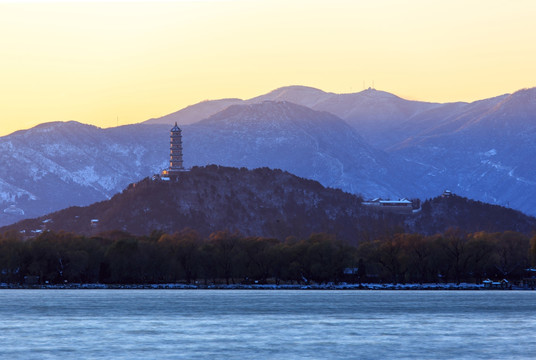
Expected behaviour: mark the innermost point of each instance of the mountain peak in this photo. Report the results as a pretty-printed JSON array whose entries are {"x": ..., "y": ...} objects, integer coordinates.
[
  {"x": 269, "y": 112},
  {"x": 526, "y": 91},
  {"x": 303, "y": 95},
  {"x": 523, "y": 97},
  {"x": 377, "y": 94},
  {"x": 53, "y": 126},
  {"x": 285, "y": 90},
  {"x": 512, "y": 113}
]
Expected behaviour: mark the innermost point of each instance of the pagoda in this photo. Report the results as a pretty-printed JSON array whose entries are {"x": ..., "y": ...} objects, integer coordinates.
[{"x": 175, "y": 153}]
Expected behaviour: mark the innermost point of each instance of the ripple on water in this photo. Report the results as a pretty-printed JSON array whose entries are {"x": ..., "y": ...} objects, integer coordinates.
[{"x": 238, "y": 324}]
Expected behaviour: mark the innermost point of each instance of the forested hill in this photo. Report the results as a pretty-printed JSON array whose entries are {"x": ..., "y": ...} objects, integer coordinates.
[
  {"x": 269, "y": 203},
  {"x": 440, "y": 213},
  {"x": 260, "y": 202}
]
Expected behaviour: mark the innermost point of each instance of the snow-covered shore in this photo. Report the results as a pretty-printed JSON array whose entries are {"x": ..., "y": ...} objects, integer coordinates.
[{"x": 341, "y": 286}]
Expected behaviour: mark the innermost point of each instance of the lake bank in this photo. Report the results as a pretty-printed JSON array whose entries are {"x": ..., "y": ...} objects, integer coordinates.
[{"x": 342, "y": 286}]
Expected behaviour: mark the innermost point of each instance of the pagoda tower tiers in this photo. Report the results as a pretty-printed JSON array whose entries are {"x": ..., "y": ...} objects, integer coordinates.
[{"x": 175, "y": 151}]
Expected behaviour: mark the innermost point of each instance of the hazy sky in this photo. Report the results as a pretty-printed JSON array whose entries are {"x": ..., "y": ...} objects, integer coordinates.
[{"x": 96, "y": 61}]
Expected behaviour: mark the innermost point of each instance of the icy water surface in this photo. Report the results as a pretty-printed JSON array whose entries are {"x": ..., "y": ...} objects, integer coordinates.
[{"x": 266, "y": 324}]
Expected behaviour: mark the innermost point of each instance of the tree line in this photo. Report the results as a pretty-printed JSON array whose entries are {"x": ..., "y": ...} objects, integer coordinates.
[{"x": 121, "y": 258}]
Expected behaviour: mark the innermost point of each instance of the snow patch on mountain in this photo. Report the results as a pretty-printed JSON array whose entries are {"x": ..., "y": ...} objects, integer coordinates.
[
  {"x": 10, "y": 193},
  {"x": 491, "y": 152}
]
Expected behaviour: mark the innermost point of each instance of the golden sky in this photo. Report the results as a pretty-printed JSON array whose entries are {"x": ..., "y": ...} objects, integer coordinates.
[{"x": 96, "y": 62}]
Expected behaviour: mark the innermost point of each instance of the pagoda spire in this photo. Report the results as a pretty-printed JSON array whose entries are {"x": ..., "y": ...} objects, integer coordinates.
[{"x": 175, "y": 150}]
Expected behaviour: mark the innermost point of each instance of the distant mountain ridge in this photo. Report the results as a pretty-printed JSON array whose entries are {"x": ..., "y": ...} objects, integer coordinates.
[
  {"x": 370, "y": 111},
  {"x": 194, "y": 113}
]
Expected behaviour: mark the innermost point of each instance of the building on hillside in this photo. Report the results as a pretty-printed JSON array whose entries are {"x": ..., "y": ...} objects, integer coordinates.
[
  {"x": 94, "y": 227},
  {"x": 45, "y": 224},
  {"x": 402, "y": 206},
  {"x": 175, "y": 155}
]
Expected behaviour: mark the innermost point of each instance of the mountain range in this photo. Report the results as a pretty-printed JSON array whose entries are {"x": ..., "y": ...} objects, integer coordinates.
[{"x": 370, "y": 143}]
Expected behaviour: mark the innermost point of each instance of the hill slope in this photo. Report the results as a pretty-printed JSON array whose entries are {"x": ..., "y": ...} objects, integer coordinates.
[{"x": 264, "y": 202}]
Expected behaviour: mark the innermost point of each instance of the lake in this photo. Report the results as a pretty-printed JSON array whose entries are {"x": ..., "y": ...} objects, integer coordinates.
[{"x": 267, "y": 324}]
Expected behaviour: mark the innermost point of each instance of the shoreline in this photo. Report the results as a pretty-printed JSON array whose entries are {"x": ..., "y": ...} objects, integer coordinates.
[{"x": 172, "y": 286}]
